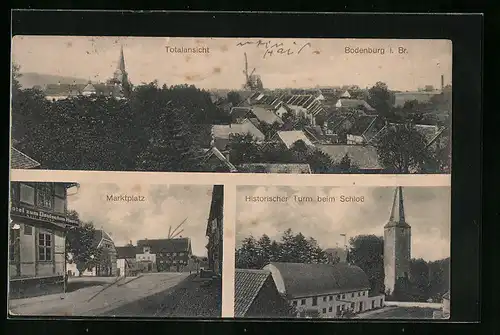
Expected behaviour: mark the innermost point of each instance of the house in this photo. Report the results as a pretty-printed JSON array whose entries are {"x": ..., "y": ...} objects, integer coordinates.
[
  {"x": 307, "y": 105},
  {"x": 275, "y": 168},
  {"x": 364, "y": 128},
  {"x": 19, "y": 160},
  {"x": 221, "y": 134},
  {"x": 363, "y": 157},
  {"x": 354, "y": 104},
  {"x": 214, "y": 230},
  {"x": 423, "y": 97},
  {"x": 289, "y": 138},
  {"x": 37, "y": 237},
  {"x": 256, "y": 295},
  {"x": 126, "y": 259},
  {"x": 145, "y": 259},
  {"x": 217, "y": 161},
  {"x": 325, "y": 289},
  {"x": 239, "y": 114},
  {"x": 171, "y": 255},
  {"x": 266, "y": 114},
  {"x": 430, "y": 132},
  {"x": 106, "y": 259}
]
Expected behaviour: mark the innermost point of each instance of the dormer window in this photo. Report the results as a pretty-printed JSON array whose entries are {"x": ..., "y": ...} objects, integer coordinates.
[{"x": 147, "y": 250}]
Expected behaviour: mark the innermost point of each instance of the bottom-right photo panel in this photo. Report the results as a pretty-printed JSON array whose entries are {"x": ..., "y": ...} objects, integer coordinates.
[{"x": 342, "y": 252}]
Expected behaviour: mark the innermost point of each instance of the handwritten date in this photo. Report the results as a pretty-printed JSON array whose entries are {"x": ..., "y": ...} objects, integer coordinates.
[{"x": 271, "y": 48}]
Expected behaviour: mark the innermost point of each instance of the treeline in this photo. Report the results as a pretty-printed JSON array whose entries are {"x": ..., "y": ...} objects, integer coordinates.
[
  {"x": 156, "y": 129},
  {"x": 428, "y": 280}
]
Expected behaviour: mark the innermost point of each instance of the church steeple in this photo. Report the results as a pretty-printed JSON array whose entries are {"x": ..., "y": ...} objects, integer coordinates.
[
  {"x": 121, "y": 61},
  {"x": 397, "y": 217},
  {"x": 120, "y": 75}
]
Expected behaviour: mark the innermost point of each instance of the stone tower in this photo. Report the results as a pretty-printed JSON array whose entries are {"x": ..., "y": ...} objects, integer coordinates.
[{"x": 397, "y": 244}]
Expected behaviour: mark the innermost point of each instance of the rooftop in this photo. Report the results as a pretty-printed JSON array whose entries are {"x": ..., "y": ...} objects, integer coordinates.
[
  {"x": 247, "y": 284},
  {"x": 18, "y": 160},
  {"x": 246, "y": 127},
  {"x": 363, "y": 156},
  {"x": 290, "y": 137}
]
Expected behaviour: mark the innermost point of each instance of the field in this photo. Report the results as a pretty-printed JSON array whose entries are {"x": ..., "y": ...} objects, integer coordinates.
[{"x": 402, "y": 313}]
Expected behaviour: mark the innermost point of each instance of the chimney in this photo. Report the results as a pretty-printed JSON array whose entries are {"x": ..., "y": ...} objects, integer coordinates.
[
  {"x": 59, "y": 83},
  {"x": 442, "y": 82}
]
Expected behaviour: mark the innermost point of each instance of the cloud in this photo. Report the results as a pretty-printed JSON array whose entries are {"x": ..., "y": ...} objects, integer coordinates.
[
  {"x": 164, "y": 206},
  {"x": 427, "y": 211}
]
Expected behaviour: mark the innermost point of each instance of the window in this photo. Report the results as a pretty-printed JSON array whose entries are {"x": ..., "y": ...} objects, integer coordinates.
[
  {"x": 352, "y": 295},
  {"x": 324, "y": 298},
  {"x": 364, "y": 293},
  {"x": 146, "y": 250},
  {"x": 181, "y": 254},
  {"x": 324, "y": 310},
  {"x": 294, "y": 303},
  {"x": 359, "y": 294},
  {"x": 331, "y": 298},
  {"x": 373, "y": 303},
  {"x": 338, "y": 297},
  {"x": 27, "y": 194},
  {"x": 353, "y": 305},
  {"x": 343, "y": 296},
  {"x": 338, "y": 310},
  {"x": 44, "y": 247},
  {"x": 28, "y": 230},
  {"x": 381, "y": 302},
  {"x": 315, "y": 301},
  {"x": 174, "y": 254},
  {"x": 330, "y": 309},
  {"x": 13, "y": 244},
  {"x": 44, "y": 196},
  {"x": 303, "y": 302}
]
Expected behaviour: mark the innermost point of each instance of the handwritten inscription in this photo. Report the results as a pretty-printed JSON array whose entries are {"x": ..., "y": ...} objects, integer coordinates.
[{"x": 271, "y": 48}]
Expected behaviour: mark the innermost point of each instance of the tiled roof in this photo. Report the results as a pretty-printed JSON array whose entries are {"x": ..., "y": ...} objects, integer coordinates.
[
  {"x": 447, "y": 295},
  {"x": 275, "y": 168},
  {"x": 361, "y": 124},
  {"x": 18, "y": 160},
  {"x": 99, "y": 235},
  {"x": 247, "y": 284},
  {"x": 166, "y": 245},
  {"x": 354, "y": 103},
  {"x": 428, "y": 131},
  {"x": 302, "y": 280},
  {"x": 246, "y": 127},
  {"x": 216, "y": 152},
  {"x": 363, "y": 156},
  {"x": 266, "y": 115},
  {"x": 237, "y": 112},
  {"x": 128, "y": 251},
  {"x": 63, "y": 89},
  {"x": 290, "y": 137}
]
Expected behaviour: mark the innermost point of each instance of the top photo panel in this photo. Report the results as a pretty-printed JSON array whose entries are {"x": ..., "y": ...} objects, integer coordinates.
[{"x": 231, "y": 105}]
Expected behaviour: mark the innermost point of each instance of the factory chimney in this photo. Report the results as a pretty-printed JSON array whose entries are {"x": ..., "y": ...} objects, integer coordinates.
[{"x": 442, "y": 82}]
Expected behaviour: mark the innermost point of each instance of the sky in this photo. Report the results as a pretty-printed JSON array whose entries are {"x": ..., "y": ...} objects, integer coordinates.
[
  {"x": 164, "y": 206},
  {"x": 322, "y": 62},
  {"x": 427, "y": 211}
]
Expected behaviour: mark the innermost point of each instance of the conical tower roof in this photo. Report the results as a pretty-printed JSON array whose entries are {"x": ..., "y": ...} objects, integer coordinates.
[
  {"x": 121, "y": 61},
  {"x": 397, "y": 216}
]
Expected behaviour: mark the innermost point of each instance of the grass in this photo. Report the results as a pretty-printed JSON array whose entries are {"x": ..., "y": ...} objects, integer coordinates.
[{"x": 403, "y": 313}]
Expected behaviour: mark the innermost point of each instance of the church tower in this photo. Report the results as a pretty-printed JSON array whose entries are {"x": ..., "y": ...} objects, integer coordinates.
[
  {"x": 120, "y": 75},
  {"x": 397, "y": 244}
]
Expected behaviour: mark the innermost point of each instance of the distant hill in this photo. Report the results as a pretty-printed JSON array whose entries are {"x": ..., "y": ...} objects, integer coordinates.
[{"x": 30, "y": 79}]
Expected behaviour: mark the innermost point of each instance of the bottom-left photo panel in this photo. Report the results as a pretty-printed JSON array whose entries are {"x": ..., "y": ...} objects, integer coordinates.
[{"x": 111, "y": 250}]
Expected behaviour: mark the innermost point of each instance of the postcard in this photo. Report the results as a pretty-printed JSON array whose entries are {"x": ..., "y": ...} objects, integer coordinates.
[
  {"x": 231, "y": 105},
  {"x": 80, "y": 249},
  {"x": 342, "y": 252}
]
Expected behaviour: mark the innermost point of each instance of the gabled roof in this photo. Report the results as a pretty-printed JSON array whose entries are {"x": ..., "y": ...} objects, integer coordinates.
[
  {"x": 362, "y": 124},
  {"x": 247, "y": 285},
  {"x": 18, "y": 160},
  {"x": 266, "y": 115},
  {"x": 216, "y": 152},
  {"x": 100, "y": 236},
  {"x": 128, "y": 251},
  {"x": 306, "y": 280},
  {"x": 363, "y": 156},
  {"x": 166, "y": 245},
  {"x": 246, "y": 127},
  {"x": 354, "y": 104},
  {"x": 447, "y": 295},
  {"x": 275, "y": 168},
  {"x": 290, "y": 137},
  {"x": 240, "y": 112}
]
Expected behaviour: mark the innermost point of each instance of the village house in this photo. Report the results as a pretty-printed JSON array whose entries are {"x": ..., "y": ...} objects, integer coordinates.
[
  {"x": 126, "y": 260},
  {"x": 324, "y": 289},
  {"x": 222, "y": 134},
  {"x": 364, "y": 158},
  {"x": 37, "y": 237},
  {"x": 256, "y": 295},
  {"x": 363, "y": 129},
  {"x": 275, "y": 168},
  {"x": 113, "y": 87},
  {"x": 171, "y": 255},
  {"x": 289, "y": 138},
  {"x": 214, "y": 230}
]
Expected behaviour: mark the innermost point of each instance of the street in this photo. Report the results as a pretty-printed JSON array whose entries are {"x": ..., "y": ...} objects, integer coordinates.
[{"x": 109, "y": 294}]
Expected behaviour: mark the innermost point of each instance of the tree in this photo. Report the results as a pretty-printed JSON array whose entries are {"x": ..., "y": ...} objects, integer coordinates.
[
  {"x": 16, "y": 74},
  {"x": 367, "y": 252},
  {"x": 403, "y": 149},
  {"x": 243, "y": 149},
  {"x": 234, "y": 98},
  {"x": 381, "y": 99},
  {"x": 419, "y": 274},
  {"x": 270, "y": 130},
  {"x": 80, "y": 244},
  {"x": 320, "y": 162},
  {"x": 247, "y": 256}
]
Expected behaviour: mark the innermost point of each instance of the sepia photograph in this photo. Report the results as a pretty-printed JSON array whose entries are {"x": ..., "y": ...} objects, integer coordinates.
[
  {"x": 115, "y": 250},
  {"x": 342, "y": 252},
  {"x": 231, "y": 105}
]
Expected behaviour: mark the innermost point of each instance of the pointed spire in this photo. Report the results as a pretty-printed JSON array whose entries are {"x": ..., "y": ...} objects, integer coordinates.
[
  {"x": 398, "y": 211},
  {"x": 121, "y": 61}
]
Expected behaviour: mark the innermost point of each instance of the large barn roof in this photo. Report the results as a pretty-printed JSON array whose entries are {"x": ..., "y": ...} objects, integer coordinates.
[{"x": 305, "y": 280}]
